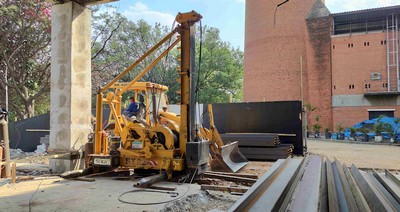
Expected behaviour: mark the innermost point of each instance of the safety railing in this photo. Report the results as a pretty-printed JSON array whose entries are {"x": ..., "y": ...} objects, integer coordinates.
[{"x": 382, "y": 86}]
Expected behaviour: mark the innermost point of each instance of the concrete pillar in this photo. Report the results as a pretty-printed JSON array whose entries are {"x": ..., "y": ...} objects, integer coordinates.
[{"x": 70, "y": 83}]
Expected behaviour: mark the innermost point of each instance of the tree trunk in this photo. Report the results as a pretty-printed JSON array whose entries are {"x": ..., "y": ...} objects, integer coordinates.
[
  {"x": 30, "y": 109},
  {"x": 29, "y": 105}
]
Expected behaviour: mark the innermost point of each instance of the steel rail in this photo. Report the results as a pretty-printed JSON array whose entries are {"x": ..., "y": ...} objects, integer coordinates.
[
  {"x": 350, "y": 200},
  {"x": 294, "y": 185},
  {"x": 324, "y": 204},
  {"x": 392, "y": 177},
  {"x": 333, "y": 201},
  {"x": 375, "y": 201},
  {"x": 259, "y": 186},
  {"x": 389, "y": 185},
  {"x": 358, "y": 196},
  {"x": 309, "y": 184},
  {"x": 269, "y": 191},
  {"x": 380, "y": 190}
]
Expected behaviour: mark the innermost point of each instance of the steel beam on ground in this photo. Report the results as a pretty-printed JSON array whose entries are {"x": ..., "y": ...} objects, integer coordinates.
[
  {"x": 230, "y": 178},
  {"x": 310, "y": 185},
  {"x": 392, "y": 177},
  {"x": 382, "y": 191},
  {"x": 265, "y": 151},
  {"x": 279, "y": 134},
  {"x": 252, "y": 139},
  {"x": 389, "y": 185},
  {"x": 340, "y": 192},
  {"x": 257, "y": 143},
  {"x": 350, "y": 201},
  {"x": 333, "y": 201},
  {"x": 358, "y": 196},
  {"x": 223, "y": 188},
  {"x": 253, "y": 176},
  {"x": 269, "y": 191},
  {"x": 375, "y": 201},
  {"x": 293, "y": 186},
  {"x": 251, "y": 134},
  {"x": 324, "y": 204},
  {"x": 259, "y": 187},
  {"x": 267, "y": 157}
]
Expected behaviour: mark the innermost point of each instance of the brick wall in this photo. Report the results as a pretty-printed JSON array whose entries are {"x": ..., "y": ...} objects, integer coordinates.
[
  {"x": 354, "y": 58},
  {"x": 318, "y": 73},
  {"x": 273, "y": 46},
  {"x": 353, "y": 65},
  {"x": 332, "y": 65},
  {"x": 350, "y": 116}
]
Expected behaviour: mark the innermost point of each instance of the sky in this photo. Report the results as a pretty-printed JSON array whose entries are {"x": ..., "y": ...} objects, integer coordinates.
[{"x": 226, "y": 15}]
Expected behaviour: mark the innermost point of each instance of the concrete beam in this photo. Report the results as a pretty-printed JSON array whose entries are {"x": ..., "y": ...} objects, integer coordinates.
[
  {"x": 70, "y": 111},
  {"x": 361, "y": 101}
]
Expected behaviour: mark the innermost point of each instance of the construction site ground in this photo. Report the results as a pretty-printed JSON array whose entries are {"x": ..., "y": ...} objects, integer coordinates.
[
  {"x": 363, "y": 155},
  {"x": 44, "y": 192}
]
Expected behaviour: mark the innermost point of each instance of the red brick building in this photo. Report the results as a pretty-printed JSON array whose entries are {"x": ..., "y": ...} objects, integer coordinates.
[{"x": 345, "y": 64}]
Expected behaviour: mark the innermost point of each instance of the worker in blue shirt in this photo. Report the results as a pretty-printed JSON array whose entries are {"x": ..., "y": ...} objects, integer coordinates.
[{"x": 133, "y": 108}]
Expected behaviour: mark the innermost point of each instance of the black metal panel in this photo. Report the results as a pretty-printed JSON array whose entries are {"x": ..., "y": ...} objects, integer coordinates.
[
  {"x": 260, "y": 117},
  {"x": 28, "y": 141},
  {"x": 376, "y": 114}
]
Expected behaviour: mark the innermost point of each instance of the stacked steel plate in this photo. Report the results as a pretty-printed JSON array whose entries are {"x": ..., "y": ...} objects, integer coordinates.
[{"x": 260, "y": 146}]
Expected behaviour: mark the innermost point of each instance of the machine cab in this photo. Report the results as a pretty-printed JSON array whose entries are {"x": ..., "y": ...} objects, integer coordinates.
[{"x": 148, "y": 95}]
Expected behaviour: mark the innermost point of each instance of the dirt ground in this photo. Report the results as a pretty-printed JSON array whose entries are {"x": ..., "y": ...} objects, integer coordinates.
[
  {"x": 52, "y": 193},
  {"x": 362, "y": 155},
  {"x": 256, "y": 168}
]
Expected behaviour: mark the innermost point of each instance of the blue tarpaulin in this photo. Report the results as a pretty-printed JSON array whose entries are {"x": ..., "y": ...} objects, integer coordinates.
[{"x": 370, "y": 124}]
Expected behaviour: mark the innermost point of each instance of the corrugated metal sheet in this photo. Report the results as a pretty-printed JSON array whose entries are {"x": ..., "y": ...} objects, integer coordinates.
[{"x": 366, "y": 14}]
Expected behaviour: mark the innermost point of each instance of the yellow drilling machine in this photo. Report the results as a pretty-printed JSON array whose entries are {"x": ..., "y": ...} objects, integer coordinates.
[{"x": 156, "y": 139}]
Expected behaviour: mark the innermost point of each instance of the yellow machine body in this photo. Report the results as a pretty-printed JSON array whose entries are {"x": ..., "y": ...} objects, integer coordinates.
[{"x": 157, "y": 138}]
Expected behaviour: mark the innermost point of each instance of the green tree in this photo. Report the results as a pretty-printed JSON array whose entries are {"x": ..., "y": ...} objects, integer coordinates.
[
  {"x": 25, "y": 55},
  {"x": 118, "y": 42},
  {"x": 221, "y": 70},
  {"x": 380, "y": 127}
]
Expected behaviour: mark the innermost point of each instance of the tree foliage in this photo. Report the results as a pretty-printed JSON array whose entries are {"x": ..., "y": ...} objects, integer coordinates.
[
  {"x": 117, "y": 42},
  {"x": 25, "y": 55},
  {"x": 129, "y": 41},
  {"x": 221, "y": 69}
]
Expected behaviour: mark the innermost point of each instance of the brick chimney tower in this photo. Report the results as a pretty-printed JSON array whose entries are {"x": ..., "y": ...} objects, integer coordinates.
[{"x": 274, "y": 41}]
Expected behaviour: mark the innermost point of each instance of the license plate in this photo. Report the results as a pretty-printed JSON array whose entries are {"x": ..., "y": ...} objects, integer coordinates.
[
  {"x": 137, "y": 145},
  {"x": 102, "y": 161}
]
